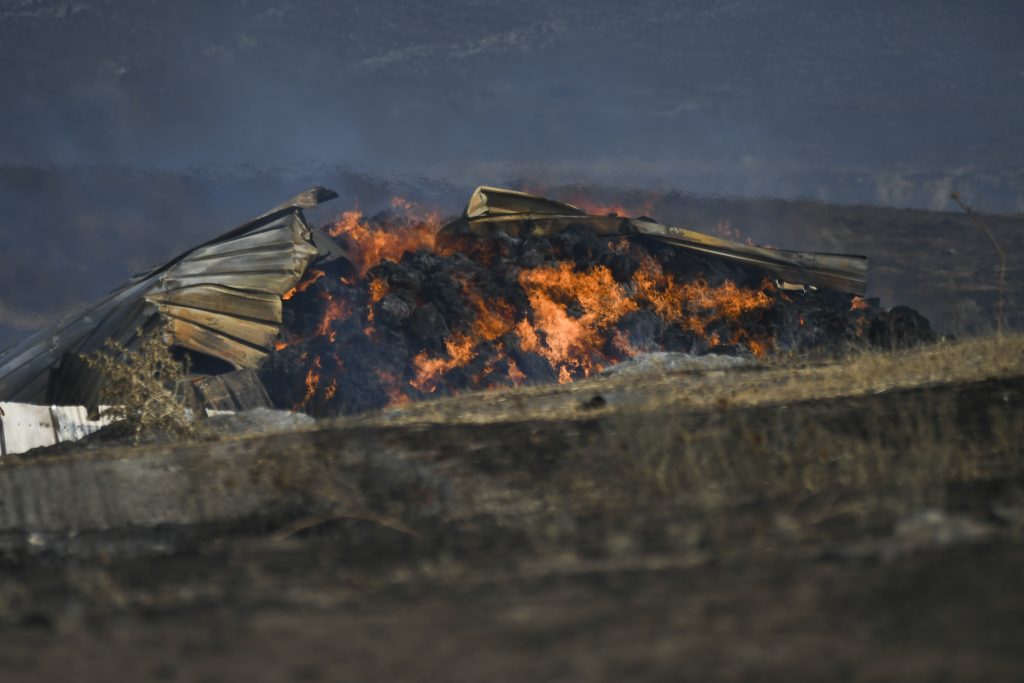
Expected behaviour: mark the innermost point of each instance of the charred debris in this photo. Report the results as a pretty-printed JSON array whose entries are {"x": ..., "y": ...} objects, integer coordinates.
[{"x": 368, "y": 312}]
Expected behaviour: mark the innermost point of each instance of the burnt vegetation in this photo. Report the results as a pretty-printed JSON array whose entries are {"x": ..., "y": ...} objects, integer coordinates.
[{"x": 448, "y": 314}]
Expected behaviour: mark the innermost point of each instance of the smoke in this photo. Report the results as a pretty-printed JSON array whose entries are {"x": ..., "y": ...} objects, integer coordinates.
[
  {"x": 131, "y": 128},
  {"x": 733, "y": 98}
]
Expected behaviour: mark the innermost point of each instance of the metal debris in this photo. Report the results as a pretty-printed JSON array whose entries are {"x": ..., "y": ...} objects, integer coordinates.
[
  {"x": 221, "y": 299},
  {"x": 493, "y": 209}
]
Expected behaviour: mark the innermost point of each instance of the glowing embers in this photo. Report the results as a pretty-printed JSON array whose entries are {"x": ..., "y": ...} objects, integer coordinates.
[
  {"x": 416, "y": 315},
  {"x": 332, "y": 310},
  {"x": 572, "y": 320}
]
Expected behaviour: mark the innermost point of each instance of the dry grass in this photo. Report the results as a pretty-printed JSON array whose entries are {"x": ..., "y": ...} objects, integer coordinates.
[
  {"x": 913, "y": 451},
  {"x": 897, "y": 426},
  {"x": 890, "y": 429},
  {"x": 781, "y": 381}
]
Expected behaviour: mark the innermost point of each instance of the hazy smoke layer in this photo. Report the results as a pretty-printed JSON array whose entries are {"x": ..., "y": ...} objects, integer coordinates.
[
  {"x": 868, "y": 101},
  {"x": 230, "y": 106}
]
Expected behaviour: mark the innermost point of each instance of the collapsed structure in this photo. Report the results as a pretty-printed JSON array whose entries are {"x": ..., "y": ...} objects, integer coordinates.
[{"x": 223, "y": 302}]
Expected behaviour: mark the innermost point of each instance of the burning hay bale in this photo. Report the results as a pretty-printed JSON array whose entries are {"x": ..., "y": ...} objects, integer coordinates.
[{"x": 534, "y": 291}]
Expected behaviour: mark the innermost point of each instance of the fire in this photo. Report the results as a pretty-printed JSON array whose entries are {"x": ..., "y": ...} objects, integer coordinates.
[
  {"x": 759, "y": 348},
  {"x": 514, "y": 373},
  {"x": 622, "y": 344},
  {"x": 696, "y": 305},
  {"x": 574, "y": 311},
  {"x": 596, "y": 208},
  {"x": 561, "y": 320},
  {"x": 312, "y": 382},
  {"x": 306, "y": 283},
  {"x": 392, "y": 386},
  {"x": 378, "y": 290},
  {"x": 569, "y": 342},
  {"x": 606, "y": 209},
  {"x": 429, "y": 370},
  {"x": 369, "y": 244},
  {"x": 335, "y": 310},
  {"x": 494, "y": 318}
]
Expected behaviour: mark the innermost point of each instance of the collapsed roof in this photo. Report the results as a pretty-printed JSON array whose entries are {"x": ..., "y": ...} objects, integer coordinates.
[{"x": 222, "y": 301}]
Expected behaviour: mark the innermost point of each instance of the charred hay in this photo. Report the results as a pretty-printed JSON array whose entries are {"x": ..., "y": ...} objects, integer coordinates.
[{"x": 357, "y": 343}]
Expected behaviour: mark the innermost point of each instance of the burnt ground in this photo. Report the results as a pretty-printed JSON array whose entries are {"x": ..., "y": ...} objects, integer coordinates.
[{"x": 858, "y": 521}]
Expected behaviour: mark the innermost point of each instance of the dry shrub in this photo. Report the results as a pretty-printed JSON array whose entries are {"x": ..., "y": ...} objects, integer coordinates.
[{"x": 146, "y": 389}]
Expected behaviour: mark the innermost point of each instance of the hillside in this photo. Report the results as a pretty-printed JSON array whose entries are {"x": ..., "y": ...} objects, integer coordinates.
[{"x": 732, "y": 524}]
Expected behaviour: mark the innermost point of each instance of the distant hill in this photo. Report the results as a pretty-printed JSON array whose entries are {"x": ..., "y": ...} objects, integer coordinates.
[{"x": 871, "y": 102}]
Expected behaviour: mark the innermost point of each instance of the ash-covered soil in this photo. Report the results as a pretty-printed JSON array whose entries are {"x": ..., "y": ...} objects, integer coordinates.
[{"x": 855, "y": 520}]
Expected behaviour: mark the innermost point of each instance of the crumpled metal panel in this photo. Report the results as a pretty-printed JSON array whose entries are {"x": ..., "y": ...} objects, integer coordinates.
[
  {"x": 222, "y": 298},
  {"x": 493, "y": 209}
]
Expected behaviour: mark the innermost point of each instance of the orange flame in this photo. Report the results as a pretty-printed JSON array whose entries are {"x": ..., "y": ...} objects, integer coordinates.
[
  {"x": 311, "y": 278},
  {"x": 429, "y": 370},
  {"x": 370, "y": 244},
  {"x": 569, "y": 342},
  {"x": 378, "y": 290},
  {"x": 312, "y": 382},
  {"x": 336, "y": 310},
  {"x": 573, "y": 313},
  {"x": 392, "y": 387},
  {"x": 514, "y": 373},
  {"x": 598, "y": 208}
]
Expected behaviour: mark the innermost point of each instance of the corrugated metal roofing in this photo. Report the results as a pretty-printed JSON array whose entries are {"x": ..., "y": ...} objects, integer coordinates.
[
  {"x": 222, "y": 298},
  {"x": 494, "y": 209}
]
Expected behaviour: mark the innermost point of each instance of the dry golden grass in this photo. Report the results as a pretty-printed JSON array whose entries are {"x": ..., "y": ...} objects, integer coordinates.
[
  {"x": 780, "y": 381},
  {"x": 903, "y": 426},
  {"x": 893, "y": 426}
]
